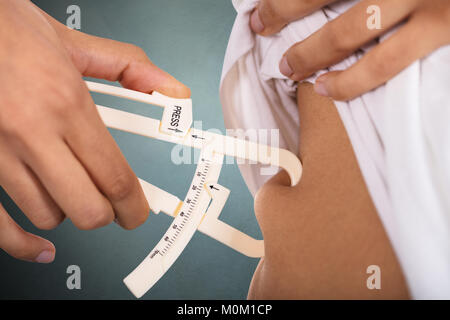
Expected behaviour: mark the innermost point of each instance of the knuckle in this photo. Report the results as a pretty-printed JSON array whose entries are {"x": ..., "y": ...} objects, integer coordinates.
[
  {"x": 67, "y": 97},
  {"x": 95, "y": 217},
  {"x": 137, "y": 53},
  {"x": 17, "y": 124},
  {"x": 24, "y": 121},
  {"x": 43, "y": 217},
  {"x": 121, "y": 187}
]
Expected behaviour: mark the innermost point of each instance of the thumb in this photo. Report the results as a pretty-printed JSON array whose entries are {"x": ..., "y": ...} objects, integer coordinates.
[
  {"x": 117, "y": 61},
  {"x": 21, "y": 244}
]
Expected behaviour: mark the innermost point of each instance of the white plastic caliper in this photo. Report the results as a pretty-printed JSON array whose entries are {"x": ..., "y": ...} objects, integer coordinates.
[{"x": 205, "y": 198}]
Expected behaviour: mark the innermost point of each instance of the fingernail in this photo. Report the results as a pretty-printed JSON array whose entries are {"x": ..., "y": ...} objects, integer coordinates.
[
  {"x": 321, "y": 88},
  {"x": 45, "y": 256},
  {"x": 285, "y": 68},
  {"x": 256, "y": 22}
]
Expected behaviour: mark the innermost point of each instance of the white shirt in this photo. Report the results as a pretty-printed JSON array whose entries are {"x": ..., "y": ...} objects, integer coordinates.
[{"x": 400, "y": 133}]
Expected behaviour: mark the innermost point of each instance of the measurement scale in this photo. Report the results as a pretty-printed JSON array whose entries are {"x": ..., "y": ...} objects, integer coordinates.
[
  {"x": 180, "y": 232},
  {"x": 205, "y": 198}
]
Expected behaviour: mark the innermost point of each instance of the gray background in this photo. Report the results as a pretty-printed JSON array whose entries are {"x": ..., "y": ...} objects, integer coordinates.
[{"x": 188, "y": 39}]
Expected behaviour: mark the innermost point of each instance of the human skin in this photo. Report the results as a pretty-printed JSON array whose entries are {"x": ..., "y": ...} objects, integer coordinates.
[
  {"x": 426, "y": 25},
  {"x": 57, "y": 159},
  {"x": 321, "y": 235}
]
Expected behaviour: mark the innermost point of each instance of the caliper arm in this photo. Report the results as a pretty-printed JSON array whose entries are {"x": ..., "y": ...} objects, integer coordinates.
[{"x": 162, "y": 201}]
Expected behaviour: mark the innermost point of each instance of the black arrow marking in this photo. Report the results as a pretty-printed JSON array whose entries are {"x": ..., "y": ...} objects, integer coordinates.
[
  {"x": 197, "y": 137},
  {"x": 212, "y": 187}
]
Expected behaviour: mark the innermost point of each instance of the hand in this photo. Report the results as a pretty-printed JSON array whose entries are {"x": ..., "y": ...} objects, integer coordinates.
[
  {"x": 426, "y": 29},
  {"x": 57, "y": 157}
]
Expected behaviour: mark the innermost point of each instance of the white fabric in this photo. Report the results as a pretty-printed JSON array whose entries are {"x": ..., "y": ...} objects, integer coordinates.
[{"x": 400, "y": 134}]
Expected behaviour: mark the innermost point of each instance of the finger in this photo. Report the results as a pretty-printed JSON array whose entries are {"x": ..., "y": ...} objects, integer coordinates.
[
  {"x": 382, "y": 63},
  {"x": 270, "y": 16},
  {"x": 68, "y": 183},
  {"x": 21, "y": 244},
  {"x": 28, "y": 193},
  {"x": 341, "y": 37},
  {"x": 117, "y": 61},
  {"x": 96, "y": 149}
]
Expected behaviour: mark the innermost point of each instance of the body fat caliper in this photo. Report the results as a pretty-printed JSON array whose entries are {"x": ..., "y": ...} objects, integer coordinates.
[{"x": 205, "y": 198}]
